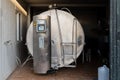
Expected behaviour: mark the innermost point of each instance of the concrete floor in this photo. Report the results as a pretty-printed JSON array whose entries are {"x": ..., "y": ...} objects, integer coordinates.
[{"x": 87, "y": 71}]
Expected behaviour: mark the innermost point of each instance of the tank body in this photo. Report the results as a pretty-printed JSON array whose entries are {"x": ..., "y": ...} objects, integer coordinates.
[{"x": 66, "y": 24}]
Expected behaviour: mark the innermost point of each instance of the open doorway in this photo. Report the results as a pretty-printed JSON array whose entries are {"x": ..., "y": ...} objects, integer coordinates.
[{"x": 94, "y": 19}]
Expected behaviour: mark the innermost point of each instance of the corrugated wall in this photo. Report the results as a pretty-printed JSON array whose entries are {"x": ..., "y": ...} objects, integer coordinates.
[
  {"x": 115, "y": 40},
  {"x": 8, "y": 51}
]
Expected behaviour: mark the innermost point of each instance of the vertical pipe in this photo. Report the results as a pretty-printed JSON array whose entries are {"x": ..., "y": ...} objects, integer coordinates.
[
  {"x": 73, "y": 42},
  {"x": 76, "y": 42},
  {"x": 59, "y": 28}
]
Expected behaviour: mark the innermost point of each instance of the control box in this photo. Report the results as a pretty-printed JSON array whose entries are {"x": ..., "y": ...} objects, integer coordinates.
[
  {"x": 41, "y": 44},
  {"x": 41, "y": 25}
]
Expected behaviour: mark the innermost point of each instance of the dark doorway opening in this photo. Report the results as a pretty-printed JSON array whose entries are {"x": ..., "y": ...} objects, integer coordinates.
[{"x": 96, "y": 26}]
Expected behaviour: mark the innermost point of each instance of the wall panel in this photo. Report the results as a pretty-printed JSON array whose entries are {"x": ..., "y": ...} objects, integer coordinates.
[
  {"x": 0, "y": 41},
  {"x": 8, "y": 34},
  {"x": 8, "y": 43}
]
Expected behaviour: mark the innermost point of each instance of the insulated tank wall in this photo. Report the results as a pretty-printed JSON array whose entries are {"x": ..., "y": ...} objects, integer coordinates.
[{"x": 65, "y": 23}]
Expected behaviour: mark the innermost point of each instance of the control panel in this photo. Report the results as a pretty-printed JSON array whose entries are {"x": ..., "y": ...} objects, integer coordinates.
[{"x": 41, "y": 25}]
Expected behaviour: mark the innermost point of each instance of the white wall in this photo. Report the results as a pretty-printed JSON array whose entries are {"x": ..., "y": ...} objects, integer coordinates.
[
  {"x": 9, "y": 52},
  {"x": 0, "y": 42}
]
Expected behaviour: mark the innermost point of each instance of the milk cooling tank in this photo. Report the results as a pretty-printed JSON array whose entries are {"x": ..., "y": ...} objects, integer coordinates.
[{"x": 55, "y": 39}]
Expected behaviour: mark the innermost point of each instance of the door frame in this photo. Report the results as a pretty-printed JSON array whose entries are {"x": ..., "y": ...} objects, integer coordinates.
[{"x": 114, "y": 39}]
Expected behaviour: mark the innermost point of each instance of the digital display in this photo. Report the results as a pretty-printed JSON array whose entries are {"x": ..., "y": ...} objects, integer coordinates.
[{"x": 41, "y": 27}]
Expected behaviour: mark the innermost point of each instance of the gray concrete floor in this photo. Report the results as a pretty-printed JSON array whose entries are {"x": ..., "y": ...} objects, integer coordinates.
[{"x": 87, "y": 71}]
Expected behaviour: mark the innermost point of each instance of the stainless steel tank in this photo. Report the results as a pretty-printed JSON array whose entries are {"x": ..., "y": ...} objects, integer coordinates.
[{"x": 65, "y": 28}]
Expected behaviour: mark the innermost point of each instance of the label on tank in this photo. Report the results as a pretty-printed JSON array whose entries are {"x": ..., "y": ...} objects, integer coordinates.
[{"x": 41, "y": 42}]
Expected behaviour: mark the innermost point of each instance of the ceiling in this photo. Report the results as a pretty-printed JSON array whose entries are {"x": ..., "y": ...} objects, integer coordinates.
[{"x": 69, "y": 2}]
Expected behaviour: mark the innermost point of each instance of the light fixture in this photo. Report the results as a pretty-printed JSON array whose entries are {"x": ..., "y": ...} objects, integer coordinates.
[{"x": 19, "y": 7}]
